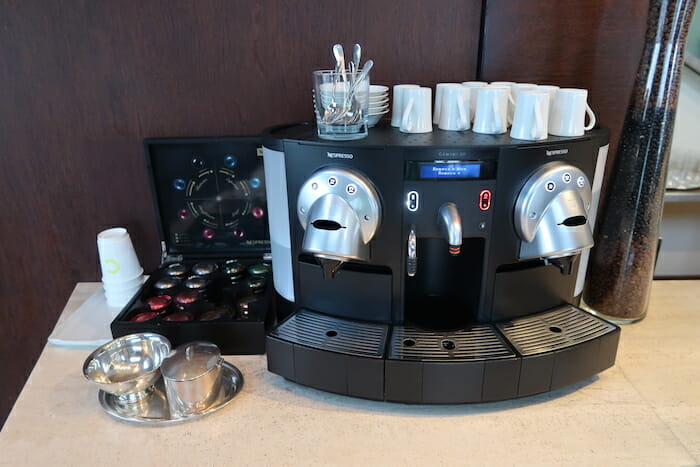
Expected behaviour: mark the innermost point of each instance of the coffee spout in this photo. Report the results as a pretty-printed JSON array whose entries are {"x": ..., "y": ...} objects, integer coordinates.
[
  {"x": 329, "y": 266},
  {"x": 451, "y": 227}
]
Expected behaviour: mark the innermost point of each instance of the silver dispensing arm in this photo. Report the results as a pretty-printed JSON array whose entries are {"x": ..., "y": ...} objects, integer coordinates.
[
  {"x": 411, "y": 257},
  {"x": 451, "y": 226}
]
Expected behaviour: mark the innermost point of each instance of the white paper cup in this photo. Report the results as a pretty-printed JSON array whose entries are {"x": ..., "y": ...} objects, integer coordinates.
[
  {"x": 121, "y": 286},
  {"x": 119, "y": 301},
  {"x": 118, "y": 259},
  {"x": 121, "y": 298}
]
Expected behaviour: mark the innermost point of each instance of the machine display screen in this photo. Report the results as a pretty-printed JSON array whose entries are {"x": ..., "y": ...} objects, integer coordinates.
[{"x": 450, "y": 170}]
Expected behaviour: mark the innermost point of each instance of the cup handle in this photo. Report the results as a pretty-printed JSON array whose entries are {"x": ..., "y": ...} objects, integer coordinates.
[
  {"x": 539, "y": 123},
  {"x": 463, "y": 114},
  {"x": 497, "y": 116},
  {"x": 406, "y": 113},
  {"x": 591, "y": 116},
  {"x": 510, "y": 117}
]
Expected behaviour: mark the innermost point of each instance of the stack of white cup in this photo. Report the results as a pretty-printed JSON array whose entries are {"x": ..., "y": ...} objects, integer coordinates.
[{"x": 122, "y": 274}]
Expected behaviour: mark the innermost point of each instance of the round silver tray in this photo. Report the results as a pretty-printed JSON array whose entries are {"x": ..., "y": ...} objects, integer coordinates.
[{"x": 153, "y": 410}]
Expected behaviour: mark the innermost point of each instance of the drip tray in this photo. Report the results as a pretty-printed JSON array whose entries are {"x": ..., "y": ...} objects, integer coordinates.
[
  {"x": 334, "y": 334},
  {"x": 480, "y": 342},
  {"x": 554, "y": 330},
  {"x": 484, "y": 362}
]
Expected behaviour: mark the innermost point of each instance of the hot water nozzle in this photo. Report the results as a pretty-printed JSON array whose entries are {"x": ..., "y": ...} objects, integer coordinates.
[{"x": 451, "y": 227}]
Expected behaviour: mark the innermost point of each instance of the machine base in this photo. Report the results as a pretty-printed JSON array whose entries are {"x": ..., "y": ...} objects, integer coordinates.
[{"x": 486, "y": 362}]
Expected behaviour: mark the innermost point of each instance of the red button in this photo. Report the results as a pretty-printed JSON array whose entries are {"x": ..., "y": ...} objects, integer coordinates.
[{"x": 485, "y": 200}]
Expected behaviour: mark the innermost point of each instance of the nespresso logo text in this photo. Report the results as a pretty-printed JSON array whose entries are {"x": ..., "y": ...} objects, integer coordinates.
[
  {"x": 339, "y": 155},
  {"x": 557, "y": 152}
]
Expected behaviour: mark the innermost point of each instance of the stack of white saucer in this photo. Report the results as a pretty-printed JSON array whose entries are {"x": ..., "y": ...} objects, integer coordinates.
[
  {"x": 378, "y": 103},
  {"x": 122, "y": 274}
]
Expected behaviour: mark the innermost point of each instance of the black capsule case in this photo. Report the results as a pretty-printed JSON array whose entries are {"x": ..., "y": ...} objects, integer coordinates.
[{"x": 210, "y": 201}]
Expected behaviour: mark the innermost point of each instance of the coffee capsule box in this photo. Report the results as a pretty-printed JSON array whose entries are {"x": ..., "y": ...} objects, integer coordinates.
[{"x": 215, "y": 279}]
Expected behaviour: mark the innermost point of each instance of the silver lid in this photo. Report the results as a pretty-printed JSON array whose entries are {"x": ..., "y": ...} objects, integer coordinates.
[{"x": 191, "y": 360}]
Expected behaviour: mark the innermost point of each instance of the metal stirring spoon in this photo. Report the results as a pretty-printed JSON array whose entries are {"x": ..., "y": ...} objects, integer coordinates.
[
  {"x": 356, "y": 54},
  {"x": 339, "y": 55},
  {"x": 347, "y": 111}
]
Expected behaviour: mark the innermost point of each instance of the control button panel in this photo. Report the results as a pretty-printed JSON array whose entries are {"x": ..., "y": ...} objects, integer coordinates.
[
  {"x": 412, "y": 201},
  {"x": 485, "y": 200}
]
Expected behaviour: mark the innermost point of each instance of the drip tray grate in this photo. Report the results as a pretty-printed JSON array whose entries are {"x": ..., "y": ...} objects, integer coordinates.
[
  {"x": 480, "y": 342},
  {"x": 554, "y": 330},
  {"x": 334, "y": 334}
]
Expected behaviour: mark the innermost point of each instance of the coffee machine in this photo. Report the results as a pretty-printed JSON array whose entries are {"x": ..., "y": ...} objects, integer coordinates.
[{"x": 444, "y": 267}]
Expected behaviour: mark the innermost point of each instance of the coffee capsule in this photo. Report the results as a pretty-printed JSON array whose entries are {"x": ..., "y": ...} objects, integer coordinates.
[
  {"x": 256, "y": 284},
  {"x": 204, "y": 269},
  {"x": 179, "y": 316},
  {"x": 233, "y": 268},
  {"x": 144, "y": 316},
  {"x": 259, "y": 269},
  {"x": 212, "y": 315},
  {"x": 197, "y": 283},
  {"x": 187, "y": 297},
  {"x": 166, "y": 285},
  {"x": 159, "y": 303},
  {"x": 176, "y": 270}
]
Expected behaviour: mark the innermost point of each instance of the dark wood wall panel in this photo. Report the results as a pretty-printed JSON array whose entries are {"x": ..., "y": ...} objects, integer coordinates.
[
  {"x": 83, "y": 82},
  {"x": 591, "y": 44}
]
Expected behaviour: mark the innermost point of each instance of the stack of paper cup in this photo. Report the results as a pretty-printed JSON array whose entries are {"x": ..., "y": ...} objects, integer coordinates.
[{"x": 122, "y": 274}]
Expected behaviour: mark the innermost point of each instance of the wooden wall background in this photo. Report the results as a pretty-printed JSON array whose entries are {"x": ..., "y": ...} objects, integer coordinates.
[{"x": 83, "y": 82}]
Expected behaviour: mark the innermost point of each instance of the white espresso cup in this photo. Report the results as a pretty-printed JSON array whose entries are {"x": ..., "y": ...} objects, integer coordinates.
[
  {"x": 398, "y": 104},
  {"x": 531, "y": 116},
  {"x": 549, "y": 89},
  {"x": 473, "y": 85},
  {"x": 454, "y": 115},
  {"x": 491, "y": 115},
  {"x": 438, "y": 99},
  {"x": 507, "y": 84},
  {"x": 417, "y": 113},
  {"x": 568, "y": 113},
  {"x": 515, "y": 90}
]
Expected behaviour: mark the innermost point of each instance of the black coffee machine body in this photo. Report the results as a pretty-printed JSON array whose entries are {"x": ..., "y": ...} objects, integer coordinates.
[{"x": 444, "y": 267}]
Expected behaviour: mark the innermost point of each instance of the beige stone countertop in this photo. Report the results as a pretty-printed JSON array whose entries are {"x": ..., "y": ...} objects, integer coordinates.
[{"x": 643, "y": 411}]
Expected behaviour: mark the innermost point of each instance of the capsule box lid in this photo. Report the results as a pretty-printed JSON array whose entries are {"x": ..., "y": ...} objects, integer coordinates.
[{"x": 210, "y": 196}]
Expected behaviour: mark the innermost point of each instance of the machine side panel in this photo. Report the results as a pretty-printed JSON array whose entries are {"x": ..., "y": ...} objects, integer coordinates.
[{"x": 280, "y": 242}]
